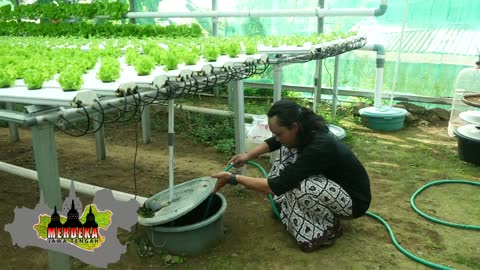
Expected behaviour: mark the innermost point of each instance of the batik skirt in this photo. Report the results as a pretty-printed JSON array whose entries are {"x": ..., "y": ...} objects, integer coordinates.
[{"x": 312, "y": 210}]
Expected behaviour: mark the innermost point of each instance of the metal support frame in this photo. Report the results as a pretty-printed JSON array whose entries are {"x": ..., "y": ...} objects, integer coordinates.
[
  {"x": 230, "y": 91},
  {"x": 239, "y": 118},
  {"x": 12, "y": 127},
  {"x": 277, "y": 82},
  {"x": 171, "y": 145},
  {"x": 99, "y": 138},
  {"x": 277, "y": 95},
  {"x": 43, "y": 138},
  {"x": 216, "y": 89},
  {"x": 214, "y": 19},
  {"x": 335, "y": 87},
  {"x": 317, "y": 82},
  {"x": 146, "y": 127}
]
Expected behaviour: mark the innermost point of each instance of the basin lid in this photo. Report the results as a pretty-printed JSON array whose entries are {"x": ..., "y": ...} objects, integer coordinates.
[
  {"x": 187, "y": 196},
  {"x": 471, "y": 117},
  {"x": 337, "y": 131},
  {"x": 383, "y": 112},
  {"x": 471, "y": 132}
]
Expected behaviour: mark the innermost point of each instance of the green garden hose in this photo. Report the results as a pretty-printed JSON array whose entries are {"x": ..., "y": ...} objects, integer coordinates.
[
  {"x": 385, "y": 224},
  {"x": 436, "y": 220},
  {"x": 265, "y": 174}
]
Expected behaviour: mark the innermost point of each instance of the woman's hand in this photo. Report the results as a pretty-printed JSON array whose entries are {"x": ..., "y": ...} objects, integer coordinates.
[
  {"x": 239, "y": 160},
  {"x": 222, "y": 180}
]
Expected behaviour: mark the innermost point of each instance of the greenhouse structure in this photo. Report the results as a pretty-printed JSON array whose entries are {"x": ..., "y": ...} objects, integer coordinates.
[{"x": 188, "y": 134}]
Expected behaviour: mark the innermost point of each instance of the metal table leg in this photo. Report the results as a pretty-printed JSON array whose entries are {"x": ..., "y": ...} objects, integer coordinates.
[
  {"x": 12, "y": 127},
  {"x": 146, "y": 127},
  {"x": 100, "y": 138},
  {"x": 45, "y": 152}
]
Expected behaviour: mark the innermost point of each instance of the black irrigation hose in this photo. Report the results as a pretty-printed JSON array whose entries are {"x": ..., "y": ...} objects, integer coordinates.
[
  {"x": 192, "y": 85},
  {"x": 174, "y": 87},
  {"x": 337, "y": 49},
  {"x": 262, "y": 70},
  {"x": 122, "y": 111},
  {"x": 143, "y": 102},
  {"x": 82, "y": 132},
  {"x": 199, "y": 83},
  {"x": 228, "y": 75},
  {"x": 135, "y": 110}
]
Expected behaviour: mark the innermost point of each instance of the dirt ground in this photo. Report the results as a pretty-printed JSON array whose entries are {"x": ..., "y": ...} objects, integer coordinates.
[{"x": 398, "y": 163}]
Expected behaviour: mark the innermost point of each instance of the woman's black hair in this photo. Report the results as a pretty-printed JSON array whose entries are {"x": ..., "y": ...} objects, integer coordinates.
[{"x": 289, "y": 112}]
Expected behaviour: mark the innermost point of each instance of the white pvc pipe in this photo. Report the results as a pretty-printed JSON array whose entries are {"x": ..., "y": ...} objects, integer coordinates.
[
  {"x": 66, "y": 183},
  {"x": 312, "y": 12},
  {"x": 209, "y": 111},
  {"x": 377, "y": 102}
]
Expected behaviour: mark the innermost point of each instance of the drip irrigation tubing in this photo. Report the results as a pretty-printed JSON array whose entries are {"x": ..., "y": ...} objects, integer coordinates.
[{"x": 384, "y": 223}]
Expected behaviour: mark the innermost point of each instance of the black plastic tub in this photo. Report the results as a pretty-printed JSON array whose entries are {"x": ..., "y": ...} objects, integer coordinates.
[{"x": 468, "y": 148}]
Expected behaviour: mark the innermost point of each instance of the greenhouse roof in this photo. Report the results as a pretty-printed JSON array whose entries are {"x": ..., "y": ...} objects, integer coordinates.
[
  {"x": 445, "y": 41},
  {"x": 451, "y": 41}
]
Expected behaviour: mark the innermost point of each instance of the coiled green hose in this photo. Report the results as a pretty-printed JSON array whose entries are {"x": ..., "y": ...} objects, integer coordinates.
[{"x": 385, "y": 224}]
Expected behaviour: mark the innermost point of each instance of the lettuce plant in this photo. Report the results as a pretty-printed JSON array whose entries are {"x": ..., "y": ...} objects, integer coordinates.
[
  {"x": 171, "y": 61},
  {"x": 222, "y": 46},
  {"x": 7, "y": 77},
  {"x": 250, "y": 47},
  {"x": 20, "y": 69},
  {"x": 211, "y": 53},
  {"x": 109, "y": 69},
  {"x": 190, "y": 57},
  {"x": 144, "y": 65},
  {"x": 159, "y": 55},
  {"x": 233, "y": 48},
  {"x": 90, "y": 60},
  {"x": 131, "y": 54},
  {"x": 70, "y": 79},
  {"x": 34, "y": 78}
]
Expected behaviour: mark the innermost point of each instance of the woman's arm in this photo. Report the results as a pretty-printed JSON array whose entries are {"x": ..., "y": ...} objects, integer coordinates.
[
  {"x": 258, "y": 184},
  {"x": 240, "y": 159}
]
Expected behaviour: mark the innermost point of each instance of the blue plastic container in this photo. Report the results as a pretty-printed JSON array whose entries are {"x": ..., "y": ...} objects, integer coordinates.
[{"x": 389, "y": 119}]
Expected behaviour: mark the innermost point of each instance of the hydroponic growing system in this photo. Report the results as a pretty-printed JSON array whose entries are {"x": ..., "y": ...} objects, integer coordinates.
[{"x": 77, "y": 85}]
